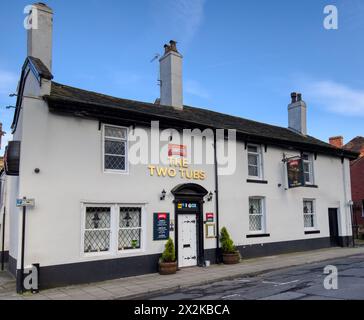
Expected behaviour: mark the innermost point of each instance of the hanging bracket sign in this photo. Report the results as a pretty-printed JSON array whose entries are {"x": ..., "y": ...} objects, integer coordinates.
[{"x": 295, "y": 172}]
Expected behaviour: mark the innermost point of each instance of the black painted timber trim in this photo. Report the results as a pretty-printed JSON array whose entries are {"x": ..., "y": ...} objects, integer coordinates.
[
  {"x": 256, "y": 181},
  {"x": 311, "y": 186},
  {"x": 312, "y": 232},
  {"x": 258, "y": 235},
  {"x": 6, "y": 256}
]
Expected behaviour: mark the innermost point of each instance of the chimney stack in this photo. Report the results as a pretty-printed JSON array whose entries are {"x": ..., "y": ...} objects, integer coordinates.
[
  {"x": 337, "y": 141},
  {"x": 40, "y": 33},
  {"x": 297, "y": 114},
  {"x": 171, "y": 76}
]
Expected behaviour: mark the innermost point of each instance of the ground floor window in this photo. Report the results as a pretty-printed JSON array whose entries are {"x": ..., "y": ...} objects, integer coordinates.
[
  {"x": 112, "y": 228},
  {"x": 309, "y": 214},
  {"x": 256, "y": 215},
  {"x": 97, "y": 229},
  {"x": 130, "y": 223}
]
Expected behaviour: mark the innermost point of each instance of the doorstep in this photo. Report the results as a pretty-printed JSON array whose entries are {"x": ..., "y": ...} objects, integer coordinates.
[{"x": 153, "y": 284}]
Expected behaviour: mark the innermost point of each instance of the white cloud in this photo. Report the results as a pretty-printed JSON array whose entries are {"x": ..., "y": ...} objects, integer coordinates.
[
  {"x": 336, "y": 97},
  {"x": 181, "y": 17},
  {"x": 194, "y": 88},
  {"x": 8, "y": 81}
]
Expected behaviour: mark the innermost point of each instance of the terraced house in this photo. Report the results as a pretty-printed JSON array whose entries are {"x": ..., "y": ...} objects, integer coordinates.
[{"x": 96, "y": 214}]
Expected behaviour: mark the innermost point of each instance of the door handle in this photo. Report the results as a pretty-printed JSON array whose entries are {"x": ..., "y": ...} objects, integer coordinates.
[{"x": 186, "y": 246}]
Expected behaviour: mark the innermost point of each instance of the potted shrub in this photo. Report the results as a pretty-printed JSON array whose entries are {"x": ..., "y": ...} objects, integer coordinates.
[
  {"x": 167, "y": 262},
  {"x": 229, "y": 253}
]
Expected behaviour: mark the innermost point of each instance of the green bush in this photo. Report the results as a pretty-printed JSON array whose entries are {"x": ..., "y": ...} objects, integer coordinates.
[
  {"x": 169, "y": 254},
  {"x": 227, "y": 244}
]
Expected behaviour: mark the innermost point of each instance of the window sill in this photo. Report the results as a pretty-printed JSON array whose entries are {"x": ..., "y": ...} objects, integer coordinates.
[
  {"x": 256, "y": 181},
  {"x": 312, "y": 231},
  {"x": 258, "y": 235},
  {"x": 311, "y": 186}
]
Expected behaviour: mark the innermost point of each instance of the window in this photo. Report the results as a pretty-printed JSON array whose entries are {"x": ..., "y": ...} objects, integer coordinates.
[
  {"x": 309, "y": 214},
  {"x": 256, "y": 215},
  {"x": 254, "y": 161},
  {"x": 307, "y": 168},
  {"x": 97, "y": 229},
  {"x": 115, "y": 148},
  {"x": 130, "y": 228},
  {"x": 112, "y": 229}
]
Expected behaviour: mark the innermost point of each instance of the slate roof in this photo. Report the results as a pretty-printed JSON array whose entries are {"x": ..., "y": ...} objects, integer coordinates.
[
  {"x": 42, "y": 70},
  {"x": 77, "y": 102},
  {"x": 356, "y": 144}
]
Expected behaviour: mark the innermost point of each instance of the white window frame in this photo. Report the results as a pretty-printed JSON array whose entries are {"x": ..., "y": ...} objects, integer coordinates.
[
  {"x": 259, "y": 154},
  {"x": 263, "y": 214},
  {"x": 126, "y": 170},
  {"x": 310, "y": 168},
  {"x": 114, "y": 229},
  {"x": 313, "y": 214}
]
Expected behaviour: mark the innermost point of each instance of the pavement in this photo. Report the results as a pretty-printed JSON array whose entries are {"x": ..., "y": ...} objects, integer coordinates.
[
  {"x": 154, "y": 284},
  {"x": 305, "y": 282}
]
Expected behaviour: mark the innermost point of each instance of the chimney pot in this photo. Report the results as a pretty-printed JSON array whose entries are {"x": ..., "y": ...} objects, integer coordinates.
[
  {"x": 294, "y": 97},
  {"x": 299, "y": 97}
]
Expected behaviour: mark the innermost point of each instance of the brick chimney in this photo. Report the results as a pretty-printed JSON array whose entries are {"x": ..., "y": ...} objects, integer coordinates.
[
  {"x": 40, "y": 33},
  {"x": 337, "y": 141},
  {"x": 171, "y": 76},
  {"x": 297, "y": 114}
]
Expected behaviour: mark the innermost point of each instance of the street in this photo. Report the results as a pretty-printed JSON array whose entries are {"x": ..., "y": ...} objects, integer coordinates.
[{"x": 304, "y": 282}]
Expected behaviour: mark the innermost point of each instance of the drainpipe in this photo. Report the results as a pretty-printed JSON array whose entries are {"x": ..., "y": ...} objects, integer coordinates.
[{"x": 217, "y": 253}]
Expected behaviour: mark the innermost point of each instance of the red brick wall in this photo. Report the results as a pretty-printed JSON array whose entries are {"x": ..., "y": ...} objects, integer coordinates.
[{"x": 357, "y": 187}]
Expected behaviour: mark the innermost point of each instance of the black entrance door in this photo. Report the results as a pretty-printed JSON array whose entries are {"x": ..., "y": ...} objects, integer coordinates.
[{"x": 334, "y": 227}]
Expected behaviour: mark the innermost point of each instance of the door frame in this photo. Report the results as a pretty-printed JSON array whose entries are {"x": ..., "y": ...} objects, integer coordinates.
[
  {"x": 195, "y": 193},
  {"x": 334, "y": 240}
]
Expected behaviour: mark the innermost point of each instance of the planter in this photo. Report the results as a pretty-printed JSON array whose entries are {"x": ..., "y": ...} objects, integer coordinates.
[
  {"x": 167, "y": 268},
  {"x": 231, "y": 258}
]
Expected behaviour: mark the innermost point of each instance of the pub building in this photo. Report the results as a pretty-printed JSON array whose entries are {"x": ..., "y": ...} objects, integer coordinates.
[{"x": 92, "y": 214}]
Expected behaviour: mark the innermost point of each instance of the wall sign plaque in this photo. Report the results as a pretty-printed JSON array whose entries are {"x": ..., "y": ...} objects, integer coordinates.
[{"x": 161, "y": 226}]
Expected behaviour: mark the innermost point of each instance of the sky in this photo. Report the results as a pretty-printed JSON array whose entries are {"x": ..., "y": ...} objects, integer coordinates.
[{"x": 241, "y": 57}]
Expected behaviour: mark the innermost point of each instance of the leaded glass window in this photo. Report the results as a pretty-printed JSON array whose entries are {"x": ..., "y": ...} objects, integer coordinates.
[
  {"x": 97, "y": 229},
  {"x": 256, "y": 215},
  {"x": 130, "y": 228},
  {"x": 309, "y": 214},
  {"x": 115, "y": 148}
]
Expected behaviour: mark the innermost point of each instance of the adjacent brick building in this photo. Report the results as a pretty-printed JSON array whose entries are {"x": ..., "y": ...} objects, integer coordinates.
[{"x": 357, "y": 177}]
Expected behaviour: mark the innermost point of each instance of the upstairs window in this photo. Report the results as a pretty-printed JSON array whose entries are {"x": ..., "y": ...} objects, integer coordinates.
[
  {"x": 255, "y": 167},
  {"x": 309, "y": 214},
  {"x": 307, "y": 168},
  {"x": 115, "y": 148}
]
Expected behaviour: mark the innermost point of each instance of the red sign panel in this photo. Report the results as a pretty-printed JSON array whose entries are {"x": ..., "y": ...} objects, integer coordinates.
[
  {"x": 177, "y": 150},
  {"x": 162, "y": 216},
  {"x": 209, "y": 216}
]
